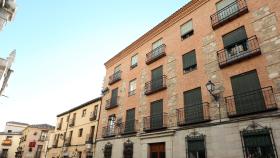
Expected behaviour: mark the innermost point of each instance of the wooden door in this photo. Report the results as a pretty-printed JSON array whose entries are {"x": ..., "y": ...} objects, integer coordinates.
[{"x": 157, "y": 150}]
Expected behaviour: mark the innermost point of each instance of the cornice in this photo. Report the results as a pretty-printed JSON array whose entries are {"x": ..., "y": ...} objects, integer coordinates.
[{"x": 172, "y": 19}]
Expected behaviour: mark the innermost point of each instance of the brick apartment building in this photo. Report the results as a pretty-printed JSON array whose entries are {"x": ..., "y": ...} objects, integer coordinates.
[{"x": 204, "y": 82}]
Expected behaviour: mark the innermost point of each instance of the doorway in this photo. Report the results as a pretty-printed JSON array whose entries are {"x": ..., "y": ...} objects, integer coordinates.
[{"x": 157, "y": 150}]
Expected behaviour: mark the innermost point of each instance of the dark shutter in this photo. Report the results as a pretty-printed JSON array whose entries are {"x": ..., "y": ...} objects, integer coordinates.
[
  {"x": 196, "y": 146},
  {"x": 156, "y": 114},
  {"x": 130, "y": 119},
  {"x": 234, "y": 37},
  {"x": 114, "y": 97},
  {"x": 189, "y": 60},
  {"x": 157, "y": 80},
  {"x": 193, "y": 106},
  {"x": 247, "y": 93}
]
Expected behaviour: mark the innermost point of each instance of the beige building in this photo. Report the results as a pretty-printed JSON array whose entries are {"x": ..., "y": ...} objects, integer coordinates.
[
  {"x": 205, "y": 82},
  {"x": 34, "y": 141},
  {"x": 10, "y": 138},
  {"x": 7, "y": 11},
  {"x": 75, "y": 132}
]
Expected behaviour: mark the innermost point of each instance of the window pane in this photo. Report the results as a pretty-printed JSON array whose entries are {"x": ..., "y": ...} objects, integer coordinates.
[
  {"x": 222, "y": 4},
  {"x": 117, "y": 68},
  {"x": 157, "y": 44},
  {"x": 189, "y": 60},
  {"x": 134, "y": 60},
  {"x": 186, "y": 28},
  {"x": 132, "y": 85}
]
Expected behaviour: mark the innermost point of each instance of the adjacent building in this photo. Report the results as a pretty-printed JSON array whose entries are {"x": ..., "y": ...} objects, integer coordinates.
[
  {"x": 34, "y": 140},
  {"x": 204, "y": 82},
  {"x": 75, "y": 131},
  {"x": 10, "y": 138},
  {"x": 7, "y": 11}
]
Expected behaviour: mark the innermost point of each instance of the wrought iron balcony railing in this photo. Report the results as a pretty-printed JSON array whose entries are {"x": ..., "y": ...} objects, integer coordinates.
[
  {"x": 155, "y": 54},
  {"x": 59, "y": 126},
  {"x": 155, "y": 122},
  {"x": 89, "y": 139},
  {"x": 192, "y": 114},
  {"x": 115, "y": 77},
  {"x": 93, "y": 116},
  {"x": 109, "y": 131},
  {"x": 72, "y": 122},
  {"x": 243, "y": 50},
  {"x": 228, "y": 13},
  {"x": 155, "y": 85},
  {"x": 55, "y": 142},
  {"x": 111, "y": 103},
  {"x": 67, "y": 142},
  {"x": 256, "y": 101},
  {"x": 128, "y": 127}
]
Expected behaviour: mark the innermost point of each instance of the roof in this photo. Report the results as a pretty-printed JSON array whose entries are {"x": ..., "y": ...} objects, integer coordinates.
[
  {"x": 169, "y": 21},
  {"x": 42, "y": 126},
  {"x": 80, "y": 106},
  {"x": 11, "y": 133},
  {"x": 18, "y": 123}
]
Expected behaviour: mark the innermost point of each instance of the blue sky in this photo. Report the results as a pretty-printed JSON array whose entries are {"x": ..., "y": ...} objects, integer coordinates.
[{"x": 61, "y": 49}]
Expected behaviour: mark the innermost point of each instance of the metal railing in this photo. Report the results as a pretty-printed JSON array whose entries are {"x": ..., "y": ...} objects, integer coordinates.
[
  {"x": 191, "y": 114},
  {"x": 228, "y": 13},
  {"x": 128, "y": 127},
  {"x": 59, "y": 126},
  {"x": 111, "y": 103},
  {"x": 259, "y": 100},
  {"x": 109, "y": 131},
  {"x": 155, "y": 85},
  {"x": 89, "y": 138},
  {"x": 93, "y": 116},
  {"x": 241, "y": 51},
  {"x": 72, "y": 122},
  {"x": 115, "y": 77},
  {"x": 155, "y": 54},
  {"x": 155, "y": 122}
]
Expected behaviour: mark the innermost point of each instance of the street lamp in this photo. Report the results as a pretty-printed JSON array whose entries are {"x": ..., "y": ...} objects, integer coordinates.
[{"x": 211, "y": 88}]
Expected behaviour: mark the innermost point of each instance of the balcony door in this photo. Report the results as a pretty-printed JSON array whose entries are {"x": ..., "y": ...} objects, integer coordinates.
[
  {"x": 247, "y": 93},
  {"x": 193, "y": 106},
  {"x": 226, "y": 9},
  {"x": 157, "y": 150},
  {"x": 156, "y": 121},
  {"x": 111, "y": 124},
  {"x": 157, "y": 80},
  {"x": 130, "y": 121},
  {"x": 114, "y": 97}
]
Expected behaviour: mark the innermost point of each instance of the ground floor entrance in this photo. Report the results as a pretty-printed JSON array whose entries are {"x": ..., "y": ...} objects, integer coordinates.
[{"x": 157, "y": 150}]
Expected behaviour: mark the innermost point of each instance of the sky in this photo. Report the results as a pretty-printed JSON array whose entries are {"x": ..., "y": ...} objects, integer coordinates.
[{"x": 61, "y": 47}]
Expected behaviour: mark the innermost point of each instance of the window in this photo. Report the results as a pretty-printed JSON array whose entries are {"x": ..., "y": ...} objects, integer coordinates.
[
  {"x": 80, "y": 132},
  {"x": 43, "y": 136},
  {"x": 186, "y": 30},
  {"x": 189, "y": 61},
  {"x": 111, "y": 125},
  {"x": 195, "y": 147},
  {"x": 84, "y": 113},
  {"x": 79, "y": 154},
  {"x": 130, "y": 121},
  {"x": 9, "y": 137},
  {"x": 108, "y": 150},
  {"x": 226, "y": 8},
  {"x": 9, "y": 131},
  {"x": 157, "y": 44},
  {"x": 4, "y": 153},
  {"x": 132, "y": 87},
  {"x": 134, "y": 61},
  {"x": 38, "y": 152},
  {"x": 68, "y": 117},
  {"x": 117, "y": 69},
  {"x": 258, "y": 143}
]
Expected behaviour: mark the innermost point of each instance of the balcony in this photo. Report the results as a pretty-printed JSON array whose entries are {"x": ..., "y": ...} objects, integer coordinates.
[
  {"x": 7, "y": 142},
  {"x": 109, "y": 131},
  {"x": 59, "y": 125},
  {"x": 192, "y": 114},
  {"x": 67, "y": 142},
  {"x": 247, "y": 49},
  {"x": 155, "y": 54},
  {"x": 251, "y": 102},
  {"x": 93, "y": 116},
  {"x": 55, "y": 142},
  {"x": 155, "y": 85},
  {"x": 89, "y": 139},
  {"x": 72, "y": 122},
  {"x": 112, "y": 103},
  {"x": 155, "y": 122},
  {"x": 115, "y": 77},
  {"x": 128, "y": 127},
  {"x": 229, "y": 13}
]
